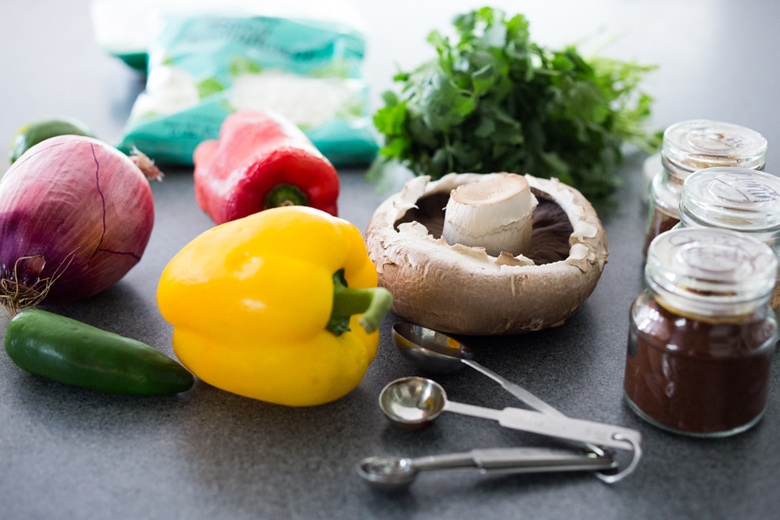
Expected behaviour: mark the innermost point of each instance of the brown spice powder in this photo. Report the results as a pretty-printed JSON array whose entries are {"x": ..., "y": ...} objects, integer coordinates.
[
  {"x": 698, "y": 377},
  {"x": 658, "y": 222}
]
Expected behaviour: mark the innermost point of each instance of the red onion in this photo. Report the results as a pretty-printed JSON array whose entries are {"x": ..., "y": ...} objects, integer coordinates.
[{"x": 75, "y": 217}]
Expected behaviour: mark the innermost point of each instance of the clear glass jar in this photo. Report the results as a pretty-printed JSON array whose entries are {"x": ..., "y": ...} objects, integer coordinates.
[
  {"x": 693, "y": 145},
  {"x": 740, "y": 199},
  {"x": 702, "y": 336}
]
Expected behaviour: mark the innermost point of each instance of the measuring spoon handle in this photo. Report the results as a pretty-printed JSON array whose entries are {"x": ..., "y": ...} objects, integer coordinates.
[
  {"x": 579, "y": 430},
  {"x": 518, "y": 391},
  {"x": 515, "y": 460},
  {"x": 525, "y": 396},
  {"x": 559, "y": 427}
]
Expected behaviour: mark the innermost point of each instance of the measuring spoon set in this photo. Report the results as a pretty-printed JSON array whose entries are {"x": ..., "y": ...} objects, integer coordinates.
[{"x": 415, "y": 402}]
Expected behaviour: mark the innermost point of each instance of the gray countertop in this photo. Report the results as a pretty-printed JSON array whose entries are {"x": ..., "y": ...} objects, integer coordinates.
[{"x": 74, "y": 454}]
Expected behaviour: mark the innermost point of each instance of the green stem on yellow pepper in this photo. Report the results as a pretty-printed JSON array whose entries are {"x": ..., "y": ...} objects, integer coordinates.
[{"x": 374, "y": 303}]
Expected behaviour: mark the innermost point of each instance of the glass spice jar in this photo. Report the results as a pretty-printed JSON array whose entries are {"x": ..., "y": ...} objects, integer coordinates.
[
  {"x": 693, "y": 145},
  {"x": 702, "y": 336},
  {"x": 739, "y": 199}
]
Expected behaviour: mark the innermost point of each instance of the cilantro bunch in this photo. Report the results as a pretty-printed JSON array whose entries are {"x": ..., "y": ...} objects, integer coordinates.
[{"x": 493, "y": 101}]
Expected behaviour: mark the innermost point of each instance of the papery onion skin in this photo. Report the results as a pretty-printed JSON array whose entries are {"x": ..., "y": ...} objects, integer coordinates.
[{"x": 75, "y": 216}]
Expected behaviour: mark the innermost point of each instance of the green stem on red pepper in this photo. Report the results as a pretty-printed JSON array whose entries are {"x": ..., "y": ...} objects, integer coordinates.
[
  {"x": 374, "y": 303},
  {"x": 285, "y": 195},
  {"x": 260, "y": 161}
]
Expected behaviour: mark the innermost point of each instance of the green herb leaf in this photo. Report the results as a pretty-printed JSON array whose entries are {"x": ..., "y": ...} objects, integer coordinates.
[{"x": 492, "y": 100}]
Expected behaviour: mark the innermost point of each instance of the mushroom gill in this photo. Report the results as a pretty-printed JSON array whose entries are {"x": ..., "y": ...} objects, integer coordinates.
[
  {"x": 551, "y": 225},
  {"x": 461, "y": 289}
]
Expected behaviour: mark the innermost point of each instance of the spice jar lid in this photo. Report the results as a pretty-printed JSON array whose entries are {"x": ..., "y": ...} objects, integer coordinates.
[
  {"x": 732, "y": 198},
  {"x": 701, "y": 143},
  {"x": 710, "y": 272}
]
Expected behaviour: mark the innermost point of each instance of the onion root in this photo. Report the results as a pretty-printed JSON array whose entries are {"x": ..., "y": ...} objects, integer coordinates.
[{"x": 16, "y": 296}]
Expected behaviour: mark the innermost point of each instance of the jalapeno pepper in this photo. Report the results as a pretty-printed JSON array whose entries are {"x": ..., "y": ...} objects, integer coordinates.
[
  {"x": 261, "y": 161},
  {"x": 75, "y": 353}
]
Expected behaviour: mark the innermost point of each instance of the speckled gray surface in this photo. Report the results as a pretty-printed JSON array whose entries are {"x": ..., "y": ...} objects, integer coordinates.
[{"x": 72, "y": 454}]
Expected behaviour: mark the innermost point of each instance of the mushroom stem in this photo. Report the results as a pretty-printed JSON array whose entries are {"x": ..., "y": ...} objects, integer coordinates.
[{"x": 494, "y": 213}]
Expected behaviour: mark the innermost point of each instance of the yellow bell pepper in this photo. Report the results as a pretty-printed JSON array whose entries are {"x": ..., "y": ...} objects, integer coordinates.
[{"x": 281, "y": 306}]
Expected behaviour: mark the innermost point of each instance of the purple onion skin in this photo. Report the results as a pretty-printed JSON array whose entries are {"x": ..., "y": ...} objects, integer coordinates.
[{"x": 75, "y": 216}]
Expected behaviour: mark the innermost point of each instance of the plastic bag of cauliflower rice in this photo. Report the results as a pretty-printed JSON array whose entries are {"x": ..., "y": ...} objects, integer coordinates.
[{"x": 202, "y": 67}]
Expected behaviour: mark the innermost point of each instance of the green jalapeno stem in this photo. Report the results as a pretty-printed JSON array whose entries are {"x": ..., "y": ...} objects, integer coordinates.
[{"x": 373, "y": 303}]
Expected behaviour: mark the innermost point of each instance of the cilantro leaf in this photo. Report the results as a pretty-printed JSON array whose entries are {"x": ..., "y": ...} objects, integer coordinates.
[{"x": 494, "y": 101}]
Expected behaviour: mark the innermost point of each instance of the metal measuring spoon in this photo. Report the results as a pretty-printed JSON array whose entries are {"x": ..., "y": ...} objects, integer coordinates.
[
  {"x": 435, "y": 352},
  {"x": 397, "y": 473},
  {"x": 414, "y": 402}
]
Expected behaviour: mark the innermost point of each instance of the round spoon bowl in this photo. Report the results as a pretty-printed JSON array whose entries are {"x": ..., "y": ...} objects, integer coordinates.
[
  {"x": 412, "y": 402},
  {"x": 431, "y": 351},
  {"x": 387, "y": 473}
]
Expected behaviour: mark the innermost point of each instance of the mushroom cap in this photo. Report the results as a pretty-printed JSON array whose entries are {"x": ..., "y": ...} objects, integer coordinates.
[{"x": 459, "y": 289}]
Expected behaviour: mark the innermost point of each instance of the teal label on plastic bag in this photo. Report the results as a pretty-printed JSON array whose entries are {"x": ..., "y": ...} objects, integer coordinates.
[{"x": 203, "y": 68}]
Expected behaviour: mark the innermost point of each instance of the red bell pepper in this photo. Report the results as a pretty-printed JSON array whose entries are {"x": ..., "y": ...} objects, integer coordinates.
[{"x": 260, "y": 161}]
